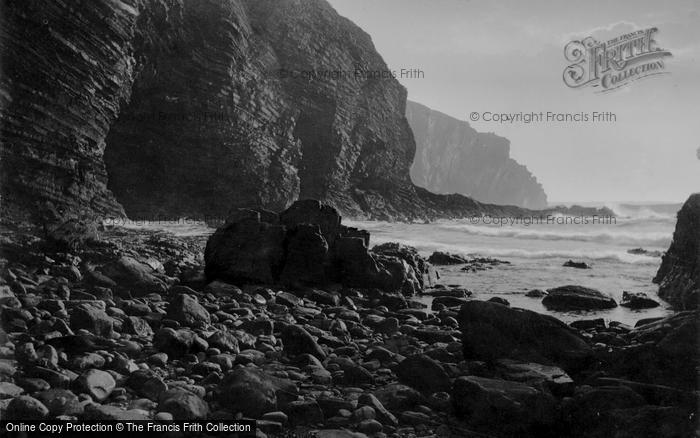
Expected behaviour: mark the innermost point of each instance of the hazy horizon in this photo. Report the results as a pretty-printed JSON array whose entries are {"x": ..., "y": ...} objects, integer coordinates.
[{"x": 508, "y": 57}]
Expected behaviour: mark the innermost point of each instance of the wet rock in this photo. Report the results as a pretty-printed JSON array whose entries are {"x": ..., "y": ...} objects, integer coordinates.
[
  {"x": 511, "y": 408},
  {"x": 186, "y": 310},
  {"x": 444, "y": 258},
  {"x": 577, "y": 265},
  {"x": 567, "y": 298},
  {"x": 298, "y": 341},
  {"x": 491, "y": 331},
  {"x": 499, "y": 300},
  {"x": 96, "y": 383},
  {"x": 26, "y": 408},
  {"x": 535, "y": 293},
  {"x": 92, "y": 319},
  {"x": 637, "y": 301},
  {"x": 423, "y": 373}
]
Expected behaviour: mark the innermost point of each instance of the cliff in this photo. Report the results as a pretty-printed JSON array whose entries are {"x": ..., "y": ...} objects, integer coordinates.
[
  {"x": 452, "y": 157},
  {"x": 679, "y": 275},
  {"x": 170, "y": 108}
]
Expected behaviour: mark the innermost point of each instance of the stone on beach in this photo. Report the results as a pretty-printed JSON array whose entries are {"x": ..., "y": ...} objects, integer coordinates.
[
  {"x": 567, "y": 298},
  {"x": 492, "y": 331}
]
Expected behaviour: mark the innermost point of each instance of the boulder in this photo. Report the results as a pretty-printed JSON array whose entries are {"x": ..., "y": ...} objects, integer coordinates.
[
  {"x": 297, "y": 341},
  {"x": 307, "y": 256},
  {"x": 663, "y": 352},
  {"x": 25, "y": 408},
  {"x": 245, "y": 249},
  {"x": 638, "y": 301},
  {"x": 535, "y": 293},
  {"x": 92, "y": 319},
  {"x": 444, "y": 258},
  {"x": 60, "y": 402},
  {"x": 678, "y": 276},
  {"x": 134, "y": 276},
  {"x": 253, "y": 392},
  {"x": 425, "y": 272},
  {"x": 183, "y": 404},
  {"x": 186, "y": 310},
  {"x": 135, "y": 325},
  {"x": 175, "y": 343},
  {"x": 491, "y": 331},
  {"x": 225, "y": 341},
  {"x": 96, "y": 383},
  {"x": 311, "y": 211},
  {"x": 571, "y": 297},
  {"x": 508, "y": 408},
  {"x": 577, "y": 265},
  {"x": 423, "y": 373}
]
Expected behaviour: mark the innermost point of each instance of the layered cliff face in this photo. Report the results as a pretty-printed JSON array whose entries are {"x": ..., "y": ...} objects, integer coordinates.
[
  {"x": 65, "y": 72},
  {"x": 196, "y": 107},
  {"x": 679, "y": 275},
  {"x": 169, "y": 108},
  {"x": 452, "y": 157}
]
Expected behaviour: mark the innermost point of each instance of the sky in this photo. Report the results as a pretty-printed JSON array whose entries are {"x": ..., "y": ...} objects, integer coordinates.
[{"x": 507, "y": 56}]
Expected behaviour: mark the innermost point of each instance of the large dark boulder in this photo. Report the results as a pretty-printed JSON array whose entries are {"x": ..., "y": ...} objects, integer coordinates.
[
  {"x": 306, "y": 245},
  {"x": 311, "y": 211},
  {"x": 307, "y": 256},
  {"x": 663, "y": 352},
  {"x": 423, "y": 373},
  {"x": 505, "y": 407},
  {"x": 492, "y": 331},
  {"x": 566, "y": 298},
  {"x": 679, "y": 275},
  {"x": 245, "y": 249}
]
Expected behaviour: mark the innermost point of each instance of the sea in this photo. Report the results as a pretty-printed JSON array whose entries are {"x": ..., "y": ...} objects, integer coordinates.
[{"x": 537, "y": 251}]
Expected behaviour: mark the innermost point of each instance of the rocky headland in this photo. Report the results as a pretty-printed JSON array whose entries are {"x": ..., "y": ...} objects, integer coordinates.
[
  {"x": 298, "y": 322},
  {"x": 452, "y": 157}
]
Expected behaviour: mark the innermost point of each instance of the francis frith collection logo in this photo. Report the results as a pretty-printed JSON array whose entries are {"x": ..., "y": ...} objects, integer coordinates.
[{"x": 614, "y": 63}]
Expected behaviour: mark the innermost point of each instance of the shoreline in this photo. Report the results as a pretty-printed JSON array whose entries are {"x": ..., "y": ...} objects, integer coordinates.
[{"x": 355, "y": 360}]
